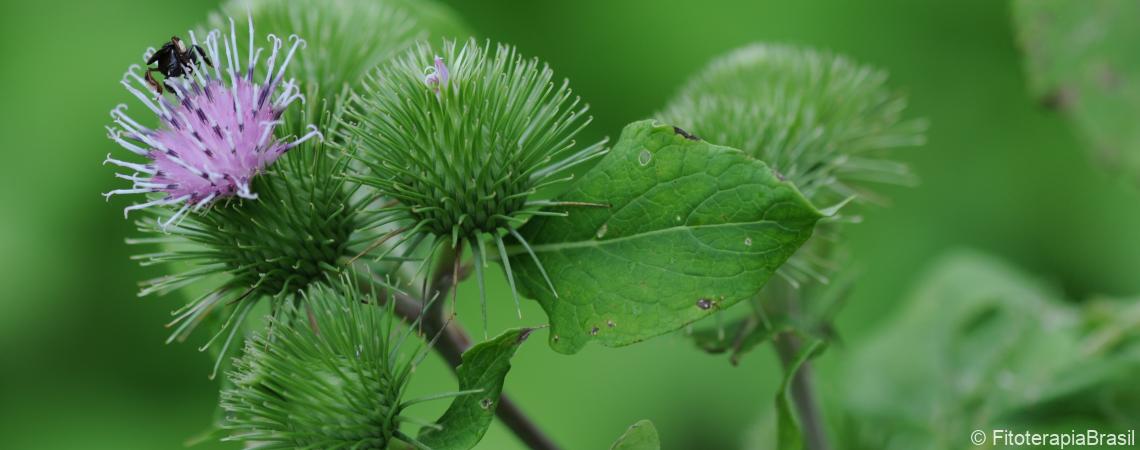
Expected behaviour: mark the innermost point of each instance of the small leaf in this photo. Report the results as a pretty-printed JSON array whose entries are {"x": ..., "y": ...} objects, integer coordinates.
[
  {"x": 789, "y": 436},
  {"x": 484, "y": 366},
  {"x": 737, "y": 337},
  {"x": 640, "y": 436},
  {"x": 1083, "y": 59},
  {"x": 817, "y": 305},
  {"x": 691, "y": 228}
]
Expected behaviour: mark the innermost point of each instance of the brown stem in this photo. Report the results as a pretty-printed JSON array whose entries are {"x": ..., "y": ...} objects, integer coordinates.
[
  {"x": 453, "y": 341},
  {"x": 803, "y": 395}
]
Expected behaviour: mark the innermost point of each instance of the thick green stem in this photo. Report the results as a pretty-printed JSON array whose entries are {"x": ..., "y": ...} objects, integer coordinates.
[{"x": 803, "y": 393}]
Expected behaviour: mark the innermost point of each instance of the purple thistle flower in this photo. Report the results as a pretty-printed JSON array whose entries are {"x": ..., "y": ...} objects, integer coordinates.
[
  {"x": 218, "y": 136},
  {"x": 441, "y": 70},
  {"x": 437, "y": 76}
]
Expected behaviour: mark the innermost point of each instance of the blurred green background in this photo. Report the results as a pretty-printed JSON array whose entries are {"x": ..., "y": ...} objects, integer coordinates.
[{"x": 84, "y": 365}]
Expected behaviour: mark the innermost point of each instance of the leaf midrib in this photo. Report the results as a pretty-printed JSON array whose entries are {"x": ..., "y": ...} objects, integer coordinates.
[{"x": 589, "y": 243}]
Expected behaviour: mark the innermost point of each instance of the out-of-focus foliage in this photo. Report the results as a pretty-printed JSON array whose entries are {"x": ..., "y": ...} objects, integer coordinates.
[
  {"x": 980, "y": 345},
  {"x": 1083, "y": 59}
]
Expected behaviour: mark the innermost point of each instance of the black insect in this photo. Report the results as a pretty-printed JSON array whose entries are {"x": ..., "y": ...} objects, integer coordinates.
[
  {"x": 175, "y": 59},
  {"x": 685, "y": 134}
]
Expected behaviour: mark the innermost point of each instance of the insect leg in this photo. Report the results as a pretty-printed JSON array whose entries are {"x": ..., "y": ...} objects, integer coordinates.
[
  {"x": 149, "y": 77},
  {"x": 202, "y": 53}
]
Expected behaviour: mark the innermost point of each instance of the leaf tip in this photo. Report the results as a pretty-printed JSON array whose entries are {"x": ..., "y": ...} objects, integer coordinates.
[{"x": 832, "y": 210}]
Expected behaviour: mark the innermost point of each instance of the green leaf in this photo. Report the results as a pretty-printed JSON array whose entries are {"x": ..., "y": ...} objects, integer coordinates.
[
  {"x": 789, "y": 436},
  {"x": 1083, "y": 58},
  {"x": 736, "y": 338},
  {"x": 484, "y": 366},
  {"x": 640, "y": 436},
  {"x": 691, "y": 228}
]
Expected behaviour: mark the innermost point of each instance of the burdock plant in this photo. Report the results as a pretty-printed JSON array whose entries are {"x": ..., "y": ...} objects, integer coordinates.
[
  {"x": 462, "y": 138},
  {"x": 409, "y": 151},
  {"x": 269, "y": 215}
]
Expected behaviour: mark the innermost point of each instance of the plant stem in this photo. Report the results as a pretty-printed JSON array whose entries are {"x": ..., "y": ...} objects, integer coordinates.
[
  {"x": 803, "y": 394},
  {"x": 453, "y": 341}
]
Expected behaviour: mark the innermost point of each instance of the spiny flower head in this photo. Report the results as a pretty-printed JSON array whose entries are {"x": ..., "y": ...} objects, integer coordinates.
[
  {"x": 297, "y": 233},
  {"x": 461, "y": 138},
  {"x": 820, "y": 120},
  {"x": 332, "y": 376},
  {"x": 346, "y": 37},
  {"x": 216, "y": 136},
  {"x": 463, "y": 143}
]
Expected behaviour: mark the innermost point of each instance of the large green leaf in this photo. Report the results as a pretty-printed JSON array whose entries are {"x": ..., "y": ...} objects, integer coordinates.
[
  {"x": 640, "y": 436},
  {"x": 691, "y": 228},
  {"x": 1083, "y": 58},
  {"x": 484, "y": 367}
]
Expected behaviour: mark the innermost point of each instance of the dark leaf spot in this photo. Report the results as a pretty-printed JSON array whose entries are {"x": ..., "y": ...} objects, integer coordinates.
[{"x": 526, "y": 333}]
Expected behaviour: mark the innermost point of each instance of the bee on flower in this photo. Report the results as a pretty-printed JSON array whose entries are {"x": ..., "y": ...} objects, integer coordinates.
[
  {"x": 215, "y": 135},
  {"x": 221, "y": 149}
]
